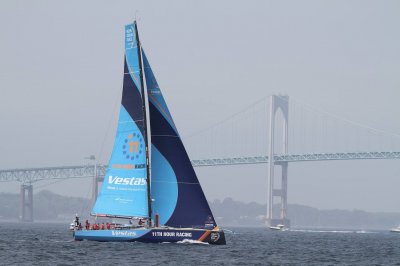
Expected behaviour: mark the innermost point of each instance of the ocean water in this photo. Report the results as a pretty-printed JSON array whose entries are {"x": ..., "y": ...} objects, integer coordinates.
[{"x": 52, "y": 244}]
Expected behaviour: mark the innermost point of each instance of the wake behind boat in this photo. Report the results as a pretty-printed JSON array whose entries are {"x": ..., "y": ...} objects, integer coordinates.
[
  {"x": 395, "y": 230},
  {"x": 279, "y": 227},
  {"x": 170, "y": 194}
]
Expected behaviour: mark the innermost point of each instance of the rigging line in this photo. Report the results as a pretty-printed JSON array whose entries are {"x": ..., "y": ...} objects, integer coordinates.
[
  {"x": 171, "y": 136},
  {"x": 315, "y": 109},
  {"x": 88, "y": 203},
  {"x": 52, "y": 183},
  {"x": 227, "y": 118},
  {"x": 100, "y": 153},
  {"x": 169, "y": 182},
  {"x": 128, "y": 73},
  {"x": 133, "y": 121},
  {"x": 133, "y": 73}
]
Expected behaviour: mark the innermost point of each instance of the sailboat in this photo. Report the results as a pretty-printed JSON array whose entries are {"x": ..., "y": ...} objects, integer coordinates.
[{"x": 149, "y": 175}]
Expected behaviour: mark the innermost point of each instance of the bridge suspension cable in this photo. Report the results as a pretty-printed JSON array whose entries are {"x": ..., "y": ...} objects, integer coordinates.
[{"x": 310, "y": 130}]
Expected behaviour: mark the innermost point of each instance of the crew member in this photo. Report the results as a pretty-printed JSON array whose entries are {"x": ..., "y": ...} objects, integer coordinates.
[
  {"x": 87, "y": 225},
  {"x": 76, "y": 222}
]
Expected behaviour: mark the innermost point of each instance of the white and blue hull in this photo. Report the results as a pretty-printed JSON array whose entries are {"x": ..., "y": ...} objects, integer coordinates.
[{"x": 152, "y": 235}]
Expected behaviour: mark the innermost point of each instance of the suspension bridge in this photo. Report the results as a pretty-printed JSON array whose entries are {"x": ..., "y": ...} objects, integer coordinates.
[{"x": 258, "y": 134}]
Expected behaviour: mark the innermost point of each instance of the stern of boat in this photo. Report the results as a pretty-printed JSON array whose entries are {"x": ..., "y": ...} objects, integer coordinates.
[{"x": 214, "y": 237}]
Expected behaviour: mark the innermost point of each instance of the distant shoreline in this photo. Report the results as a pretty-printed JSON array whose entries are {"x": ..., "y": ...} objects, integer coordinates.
[{"x": 52, "y": 208}]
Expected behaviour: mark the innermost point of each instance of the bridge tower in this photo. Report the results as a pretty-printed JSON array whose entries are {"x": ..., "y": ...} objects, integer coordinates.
[
  {"x": 26, "y": 203},
  {"x": 97, "y": 181},
  {"x": 277, "y": 103}
]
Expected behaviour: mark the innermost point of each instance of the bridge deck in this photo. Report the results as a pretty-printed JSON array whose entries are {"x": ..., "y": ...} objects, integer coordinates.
[
  {"x": 30, "y": 175},
  {"x": 297, "y": 158}
]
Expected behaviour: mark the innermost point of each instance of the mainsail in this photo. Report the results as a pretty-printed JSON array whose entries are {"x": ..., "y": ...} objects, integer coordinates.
[
  {"x": 124, "y": 192},
  {"x": 175, "y": 190}
]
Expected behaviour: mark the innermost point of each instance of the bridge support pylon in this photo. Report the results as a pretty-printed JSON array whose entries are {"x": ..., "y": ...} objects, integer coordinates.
[
  {"x": 97, "y": 181},
  {"x": 26, "y": 203},
  {"x": 277, "y": 103}
]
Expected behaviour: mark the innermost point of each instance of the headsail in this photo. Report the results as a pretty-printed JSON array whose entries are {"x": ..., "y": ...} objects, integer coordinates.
[
  {"x": 124, "y": 190},
  {"x": 175, "y": 189}
]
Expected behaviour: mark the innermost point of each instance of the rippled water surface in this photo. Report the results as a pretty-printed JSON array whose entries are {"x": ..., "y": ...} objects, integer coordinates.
[{"x": 52, "y": 244}]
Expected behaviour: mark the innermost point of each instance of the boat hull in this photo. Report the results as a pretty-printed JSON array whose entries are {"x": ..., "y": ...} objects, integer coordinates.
[{"x": 153, "y": 235}]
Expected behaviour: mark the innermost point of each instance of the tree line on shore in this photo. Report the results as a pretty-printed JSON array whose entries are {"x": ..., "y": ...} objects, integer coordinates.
[{"x": 52, "y": 207}]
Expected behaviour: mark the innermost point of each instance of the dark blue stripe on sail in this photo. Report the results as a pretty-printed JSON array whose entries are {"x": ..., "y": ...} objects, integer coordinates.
[
  {"x": 132, "y": 99},
  {"x": 192, "y": 208}
]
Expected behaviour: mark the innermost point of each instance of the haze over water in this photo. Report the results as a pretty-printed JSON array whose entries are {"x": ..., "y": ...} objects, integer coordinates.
[
  {"x": 61, "y": 72},
  {"x": 61, "y": 75}
]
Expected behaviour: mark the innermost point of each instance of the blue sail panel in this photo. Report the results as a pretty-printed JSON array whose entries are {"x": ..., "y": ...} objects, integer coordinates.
[
  {"x": 164, "y": 186},
  {"x": 132, "y": 55},
  {"x": 154, "y": 94},
  {"x": 124, "y": 190},
  {"x": 172, "y": 173}
]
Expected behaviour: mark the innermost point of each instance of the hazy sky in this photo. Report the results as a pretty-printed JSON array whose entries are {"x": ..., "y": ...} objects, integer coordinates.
[{"x": 61, "y": 77}]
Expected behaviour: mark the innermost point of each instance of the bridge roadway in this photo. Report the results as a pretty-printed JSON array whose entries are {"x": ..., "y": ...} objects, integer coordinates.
[{"x": 31, "y": 175}]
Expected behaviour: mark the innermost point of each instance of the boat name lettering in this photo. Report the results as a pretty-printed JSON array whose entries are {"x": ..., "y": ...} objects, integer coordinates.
[
  {"x": 172, "y": 234},
  {"x": 122, "y": 233},
  {"x": 132, "y": 181}
]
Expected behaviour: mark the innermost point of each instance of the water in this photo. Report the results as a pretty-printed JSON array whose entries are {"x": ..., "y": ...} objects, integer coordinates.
[{"x": 52, "y": 244}]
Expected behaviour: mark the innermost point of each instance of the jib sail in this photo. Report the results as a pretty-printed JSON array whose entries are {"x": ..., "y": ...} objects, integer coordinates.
[{"x": 124, "y": 192}]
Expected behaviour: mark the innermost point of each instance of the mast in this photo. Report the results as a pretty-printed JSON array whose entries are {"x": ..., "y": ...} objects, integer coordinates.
[{"x": 145, "y": 122}]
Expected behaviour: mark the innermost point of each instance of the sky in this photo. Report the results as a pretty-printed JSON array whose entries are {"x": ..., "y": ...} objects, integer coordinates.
[{"x": 61, "y": 78}]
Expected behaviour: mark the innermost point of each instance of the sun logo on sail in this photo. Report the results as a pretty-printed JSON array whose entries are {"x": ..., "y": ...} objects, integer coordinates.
[{"x": 132, "y": 146}]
